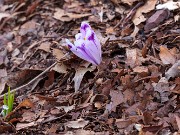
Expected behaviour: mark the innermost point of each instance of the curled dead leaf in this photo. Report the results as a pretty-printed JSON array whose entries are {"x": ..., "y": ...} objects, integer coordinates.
[
  {"x": 80, "y": 123},
  {"x": 20, "y": 126},
  {"x": 62, "y": 15},
  {"x": 147, "y": 7},
  {"x": 79, "y": 76},
  {"x": 166, "y": 56},
  {"x": 174, "y": 71},
  {"x": 25, "y": 103}
]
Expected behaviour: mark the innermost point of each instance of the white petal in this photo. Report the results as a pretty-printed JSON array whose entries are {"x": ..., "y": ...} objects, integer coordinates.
[
  {"x": 78, "y": 36},
  {"x": 5, "y": 107}
]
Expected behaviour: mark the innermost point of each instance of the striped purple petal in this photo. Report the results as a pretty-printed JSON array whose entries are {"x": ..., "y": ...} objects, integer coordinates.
[
  {"x": 87, "y": 45},
  {"x": 84, "y": 27}
]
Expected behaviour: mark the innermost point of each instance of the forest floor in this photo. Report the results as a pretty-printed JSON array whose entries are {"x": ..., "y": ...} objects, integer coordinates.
[{"x": 134, "y": 91}]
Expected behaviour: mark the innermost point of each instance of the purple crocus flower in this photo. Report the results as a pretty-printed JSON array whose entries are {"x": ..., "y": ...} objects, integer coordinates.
[{"x": 87, "y": 45}]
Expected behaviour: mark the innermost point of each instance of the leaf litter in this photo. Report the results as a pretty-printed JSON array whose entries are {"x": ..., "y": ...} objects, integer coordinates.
[{"x": 135, "y": 89}]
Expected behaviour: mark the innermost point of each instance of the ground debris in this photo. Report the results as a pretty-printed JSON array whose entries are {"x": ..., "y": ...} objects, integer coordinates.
[{"x": 135, "y": 89}]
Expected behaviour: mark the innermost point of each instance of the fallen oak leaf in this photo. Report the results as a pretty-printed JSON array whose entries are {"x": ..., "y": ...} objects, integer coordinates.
[
  {"x": 152, "y": 128},
  {"x": 132, "y": 58},
  {"x": 61, "y": 15},
  {"x": 174, "y": 71},
  {"x": 79, "y": 76},
  {"x": 147, "y": 7},
  {"x": 3, "y": 15},
  {"x": 57, "y": 53},
  {"x": 80, "y": 123},
  {"x": 60, "y": 68},
  {"x": 29, "y": 27},
  {"x": 67, "y": 108},
  {"x": 25, "y": 103},
  {"x": 121, "y": 123},
  {"x": 20, "y": 126},
  {"x": 76, "y": 16},
  {"x": 166, "y": 56},
  {"x": 130, "y": 2},
  {"x": 47, "y": 98},
  {"x": 178, "y": 121},
  {"x": 28, "y": 116},
  {"x": 86, "y": 132},
  {"x": 116, "y": 98},
  {"x": 6, "y": 128}
]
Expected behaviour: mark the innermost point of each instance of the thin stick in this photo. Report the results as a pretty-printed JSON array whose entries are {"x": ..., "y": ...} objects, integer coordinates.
[{"x": 47, "y": 69}]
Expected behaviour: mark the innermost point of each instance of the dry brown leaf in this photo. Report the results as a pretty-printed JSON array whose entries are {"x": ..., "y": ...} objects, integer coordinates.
[
  {"x": 132, "y": 58},
  {"x": 53, "y": 129},
  {"x": 116, "y": 97},
  {"x": 79, "y": 76},
  {"x": 80, "y": 123},
  {"x": 3, "y": 73},
  {"x": 174, "y": 71},
  {"x": 60, "y": 68},
  {"x": 76, "y": 16},
  {"x": 57, "y": 53},
  {"x": 30, "y": 26},
  {"x": 136, "y": 29},
  {"x": 98, "y": 105},
  {"x": 3, "y": 15},
  {"x": 110, "y": 30},
  {"x": 6, "y": 128},
  {"x": 28, "y": 116},
  {"x": 128, "y": 95},
  {"x": 45, "y": 46},
  {"x": 50, "y": 80},
  {"x": 178, "y": 121},
  {"x": 2, "y": 84},
  {"x": 46, "y": 98},
  {"x": 121, "y": 123},
  {"x": 20, "y": 126},
  {"x": 147, "y": 118},
  {"x": 62, "y": 15},
  {"x": 86, "y": 132},
  {"x": 101, "y": 37},
  {"x": 153, "y": 128},
  {"x": 67, "y": 108},
  {"x": 147, "y": 7},
  {"x": 129, "y": 2},
  {"x": 25, "y": 103},
  {"x": 166, "y": 56},
  {"x": 141, "y": 70}
]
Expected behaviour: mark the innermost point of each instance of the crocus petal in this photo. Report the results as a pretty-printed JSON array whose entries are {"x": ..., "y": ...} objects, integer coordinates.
[
  {"x": 87, "y": 45},
  {"x": 78, "y": 36},
  {"x": 78, "y": 50},
  {"x": 91, "y": 37},
  {"x": 82, "y": 51},
  {"x": 84, "y": 27},
  {"x": 93, "y": 52},
  {"x": 69, "y": 44}
]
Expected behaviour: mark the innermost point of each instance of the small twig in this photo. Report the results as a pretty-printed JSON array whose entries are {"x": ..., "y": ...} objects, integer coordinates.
[
  {"x": 129, "y": 16},
  {"x": 47, "y": 69},
  {"x": 13, "y": 14},
  {"x": 7, "y": 19},
  {"x": 147, "y": 77}
]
